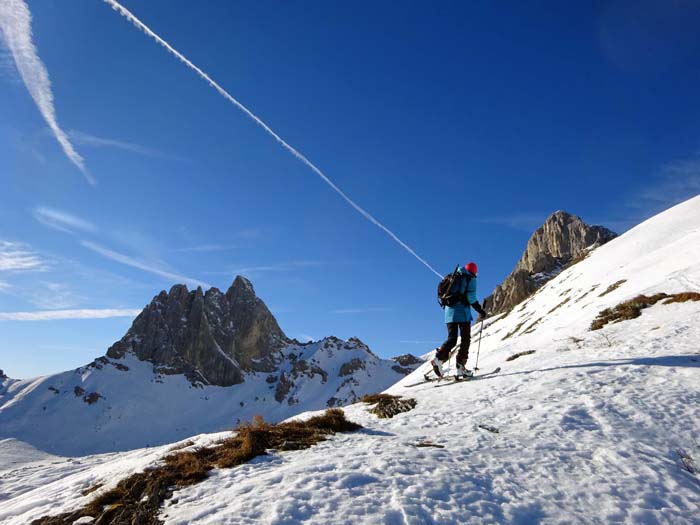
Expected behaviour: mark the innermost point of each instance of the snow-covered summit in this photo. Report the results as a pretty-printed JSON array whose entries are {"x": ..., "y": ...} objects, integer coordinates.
[{"x": 191, "y": 362}]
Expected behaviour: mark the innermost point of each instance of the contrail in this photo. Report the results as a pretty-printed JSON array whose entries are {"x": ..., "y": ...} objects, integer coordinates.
[
  {"x": 132, "y": 18},
  {"x": 16, "y": 32}
]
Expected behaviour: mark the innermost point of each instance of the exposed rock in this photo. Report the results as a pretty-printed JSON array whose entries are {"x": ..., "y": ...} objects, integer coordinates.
[
  {"x": 211, "y": 337},
  {"x": 351, "y": 367},
  {"x": 283, "y": 387},
  {"x": 92, "y": 398},
  {"x": 2, "y": 374},
  {"x": 78, "y": 391},
  {"x": 561, "y": 240},
  {"x": 408, "y": 360}
]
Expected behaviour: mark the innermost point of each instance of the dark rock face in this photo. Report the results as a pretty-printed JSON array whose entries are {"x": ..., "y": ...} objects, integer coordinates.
[
  {"x": 2, "y": 374},
  {"x": 561, "y": 240},
  {"x": 408, "y": 360},
  {"x": 211, "y": 337}
]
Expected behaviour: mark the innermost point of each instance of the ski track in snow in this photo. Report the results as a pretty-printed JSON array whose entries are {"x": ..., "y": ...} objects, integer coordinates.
[{"x": 589, "y": 425}]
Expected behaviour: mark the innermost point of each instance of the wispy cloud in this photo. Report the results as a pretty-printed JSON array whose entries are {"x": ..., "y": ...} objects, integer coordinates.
[
  {"x": 55, "y": 315},
  {"x": 203, "y": 248},
  {"x": 353, "y": 311},
  {"x": 676, "y": 182},
  {"x": 281, "y": 267},
  {"x": 141, "y": 265},
  {"x": 62, "y": 221},
  {"x": 288, "y": 266},
  {"x": 4, "y": 286},
  {"x": 53, "y": 296},
  {"x": 17, "y": 256},
  {"x": 16, "y": 34},
  {"x": 87, "y": 139}
]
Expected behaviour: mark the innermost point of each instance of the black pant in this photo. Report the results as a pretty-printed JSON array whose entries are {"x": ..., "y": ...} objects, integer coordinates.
[{"x": 444, "y": 352}]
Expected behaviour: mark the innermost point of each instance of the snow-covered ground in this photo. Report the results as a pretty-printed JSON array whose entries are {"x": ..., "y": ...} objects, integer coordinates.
[
  {"x": 589, "y": 426},
  {"x": 138, "y": 407}
]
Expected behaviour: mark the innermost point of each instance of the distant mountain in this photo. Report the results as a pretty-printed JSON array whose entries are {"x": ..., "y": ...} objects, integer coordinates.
[
  {"x": 560, "y": 241},
  {"x": 191, "y": 362}
]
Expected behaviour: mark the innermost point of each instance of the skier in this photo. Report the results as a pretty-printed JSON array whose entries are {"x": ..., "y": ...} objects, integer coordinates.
[{"x": 458, "y": 319}]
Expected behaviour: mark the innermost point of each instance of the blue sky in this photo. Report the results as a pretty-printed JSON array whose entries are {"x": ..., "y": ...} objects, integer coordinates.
[{"x": 459, "y": 125}]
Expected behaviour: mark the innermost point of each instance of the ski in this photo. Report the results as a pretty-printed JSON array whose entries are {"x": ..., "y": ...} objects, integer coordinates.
[
  {"x": 450, "y": 378},
  {"x": 463, "y": 379}
]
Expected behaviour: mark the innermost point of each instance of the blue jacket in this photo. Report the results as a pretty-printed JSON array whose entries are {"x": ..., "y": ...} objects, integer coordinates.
[{"x": 461, "y": 313}]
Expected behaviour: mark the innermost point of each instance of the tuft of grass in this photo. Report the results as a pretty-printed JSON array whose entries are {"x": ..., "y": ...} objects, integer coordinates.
[
  {"x": 559, "y": 305},
  {"x": 613, "y": 287},
  {"x": 515, "y": 330},
  {"x": 428, "y": 443},
  {"x": 138, "y": 498},
  {"x": 376, "y": 398},
  {"x": 387, "y": 406},
  {"x": 683, "y": 297},
  {"x": 632, "y": 308},
  {"x": 90, "y": 489},
  {"x": 520, "y": 354},
  {"x": 688, "y": 462}
]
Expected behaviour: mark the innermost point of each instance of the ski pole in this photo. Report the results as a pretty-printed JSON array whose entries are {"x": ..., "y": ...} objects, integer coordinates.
[{"x": 476, "y": 366}]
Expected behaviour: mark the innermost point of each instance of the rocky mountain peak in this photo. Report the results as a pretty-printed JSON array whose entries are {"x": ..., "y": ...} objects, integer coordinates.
[
  {"x": 557, "y": 243},
  {"x": 2, "y": 374},
  {"x": 211, "y": 337}
]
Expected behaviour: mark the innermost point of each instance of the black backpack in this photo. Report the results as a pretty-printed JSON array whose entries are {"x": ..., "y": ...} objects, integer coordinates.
[{"x": 445, "y": 295}]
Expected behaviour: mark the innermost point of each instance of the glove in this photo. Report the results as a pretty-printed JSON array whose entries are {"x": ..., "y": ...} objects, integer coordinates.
[{"x": 482, "y": 313}]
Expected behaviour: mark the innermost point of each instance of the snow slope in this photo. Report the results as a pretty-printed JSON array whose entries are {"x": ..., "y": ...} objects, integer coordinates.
[
  {"x": 588, "y": 426},
  {"x": 139, "y": 407}
]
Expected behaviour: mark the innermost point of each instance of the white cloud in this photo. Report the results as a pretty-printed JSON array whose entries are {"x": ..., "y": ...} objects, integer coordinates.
[
  {"x": 16, "y": 33},
  {"x": 204, "y": 248},
  {"x": 16, "y": 256},
  {"x": 53, "y": 296},
  {"x": 62, "y": 221},
  {"x": 146, "y": 267},
  {"x": 281, "y": 267},
  {"x": 54, "y": 315},
  {"x": 86, "y": 139},
  {"x": 675, "y": 183},
  {"x": 4, "y": 286}
]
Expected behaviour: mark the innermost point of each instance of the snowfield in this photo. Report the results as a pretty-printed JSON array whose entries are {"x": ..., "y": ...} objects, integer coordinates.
[
  {"x": 138, "y": 407},
  {"x": 585, "y": 430}
]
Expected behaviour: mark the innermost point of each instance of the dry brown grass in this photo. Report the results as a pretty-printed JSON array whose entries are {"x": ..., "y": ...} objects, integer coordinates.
[
  {"x": 632, "y": 308},
  {"x": 520, "y": 354},
  {"x": 613, "y": 287},
  {"x": 559, "y": 305},
  {"x": 514, "y": 330},
  {"x": 90, "y": 489},
  {"x": 387, "y": 406},
  {"x": 137, "y": 499},
  {"x": 376, "y": 398},
  {"x": 532, "y": 326}
]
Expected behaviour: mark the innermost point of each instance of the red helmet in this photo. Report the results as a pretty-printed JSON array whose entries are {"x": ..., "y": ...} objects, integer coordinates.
[{"x": 471, "y": 267}]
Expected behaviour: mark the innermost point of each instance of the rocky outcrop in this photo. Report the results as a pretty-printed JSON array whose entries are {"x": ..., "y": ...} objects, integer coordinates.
[
  {"x": 211, "y": 337},
  {"x": 560, "y": 241},
  {"x": 2, "y": 374}
]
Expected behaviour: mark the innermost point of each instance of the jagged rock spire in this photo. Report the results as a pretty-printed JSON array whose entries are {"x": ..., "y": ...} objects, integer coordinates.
[
  {"x": 212, "y": 337},
  {"x": 560, "y": 240}
]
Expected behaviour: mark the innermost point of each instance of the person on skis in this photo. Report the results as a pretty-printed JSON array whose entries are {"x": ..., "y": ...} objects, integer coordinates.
[{"x": 458, "y": 318}]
